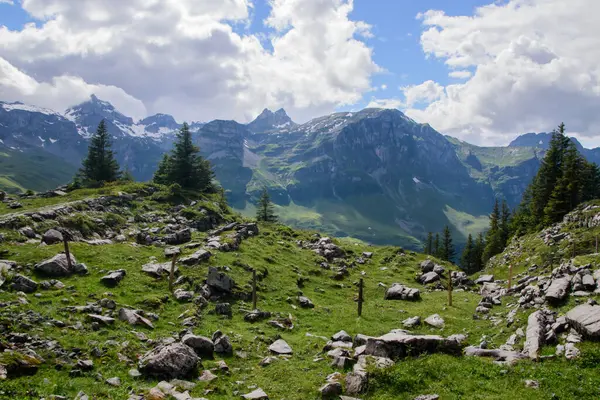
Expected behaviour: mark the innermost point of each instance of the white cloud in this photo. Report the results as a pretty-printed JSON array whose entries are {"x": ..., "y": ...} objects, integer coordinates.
[
  {"x": 536, "y": 64},
  {"x": 385, "y": 103},
  {"x": 425, "y": 92},
  {"x": 460, "y": 74},
  {"x": 11, "y": 2},
  {"x": 383, "y": 87},
  {"x": 183, "y": 56}
]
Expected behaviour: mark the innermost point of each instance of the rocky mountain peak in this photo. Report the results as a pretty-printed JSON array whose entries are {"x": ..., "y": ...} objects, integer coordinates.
[
  {"x": 160, "y": 122},
  {"x": 269, "y": 121},
  {"x": 91, "y": 112}
]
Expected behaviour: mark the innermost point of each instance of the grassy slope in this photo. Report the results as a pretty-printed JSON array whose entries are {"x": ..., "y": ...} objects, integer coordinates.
[
  {"x": 276, "y": 251},
  {"x": 34, "y": 169}
]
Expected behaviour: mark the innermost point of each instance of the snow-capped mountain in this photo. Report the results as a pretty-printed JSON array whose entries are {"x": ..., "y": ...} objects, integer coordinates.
[{"x": 269, "y": 121}]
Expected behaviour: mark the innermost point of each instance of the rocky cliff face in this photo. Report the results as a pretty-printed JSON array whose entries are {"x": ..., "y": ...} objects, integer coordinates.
[{"x": 271, "y": 121}]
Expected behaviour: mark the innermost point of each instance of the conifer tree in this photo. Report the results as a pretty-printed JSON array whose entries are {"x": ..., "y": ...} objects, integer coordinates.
[
  {"x": 494, "y": 235},
  {"x": 264, "y": 209},
  {"x": 467, "y": 259},
  {"x": 100, "y": 164},
  {"x": 447, "y": 250},
  {"x": 429, "y": 244},
  {"x": 479, "y": 247},
  {"x": 185, "y": 166},
  {"x": 504, "y": 224},
  {"x": 437, "y": 249}
]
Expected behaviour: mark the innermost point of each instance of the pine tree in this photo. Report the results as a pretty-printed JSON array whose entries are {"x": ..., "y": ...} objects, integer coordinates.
[
  {"x": 429, "y": 244},
  {"x": 467, "y": 259},
  {"x": 264, "y": 210},
  {"x": 479, "y": 247},
  {"x": 493, "y": 240},
  {"x": 100, "y": 164},
  {"x": 185, "y": 166},
  {"x": 504, "y": 224},
  {"x": 437, "y": 249},
  {"x": 447, "y": 250},
  {"x": 127, "y": 176}
]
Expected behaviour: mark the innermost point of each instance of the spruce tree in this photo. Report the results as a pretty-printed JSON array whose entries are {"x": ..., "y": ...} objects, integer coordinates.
[
  {"x": 494, "y": 235},
  {"x": 185, "y": 166},
  {"x": 264, "y": 209},
  {"x": 479, "y": 247},
  {"x": 429, "y": 244},
  {"x": 100, "y": 164},
  {"x": 504, "y": 224},
  {"x": 437, "y": 249},
  {"x": 447, "y": 251},
  {"x": 467, "y": 259}
]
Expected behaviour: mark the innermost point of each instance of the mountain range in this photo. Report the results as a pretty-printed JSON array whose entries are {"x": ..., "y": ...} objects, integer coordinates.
[{"x": 375, "y": 174}]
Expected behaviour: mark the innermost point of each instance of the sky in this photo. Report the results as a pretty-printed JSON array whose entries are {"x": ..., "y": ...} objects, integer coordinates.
[{"x": 481, "y": 70}]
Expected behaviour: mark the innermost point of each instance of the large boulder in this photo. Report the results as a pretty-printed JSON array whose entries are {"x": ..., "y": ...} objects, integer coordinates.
[
  {"x": 401, "y": 292},
  {"x": 180, "y": 237},
  {"x": 158, "y": 270},
  {"x": 485, "y": 279},
  {"x": 586, "y": 320},
  {"x": 171, "y": 361},
  {"x": 113, "y": 277},
  {"x": 280, "y": 347},
  {"x": 52, "y": 236},
  {"x": 558, "y": 290},
  {"x": 203, "y": 346},
  {"x": 219, "y": 280},
  {"x": 58, "y": 266},
  {"x": 429, "y": 277},
  {"x": 427, "y": 266},
  {"x": 535, "y": 334},
  {"x": 21, "y": 283},
  {"x": 196, "y": 258},
  {"x": 397, "y": 345}
]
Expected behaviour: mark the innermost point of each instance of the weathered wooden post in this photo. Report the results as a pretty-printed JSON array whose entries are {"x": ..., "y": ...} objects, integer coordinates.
[
  {"x": 254, "y": 299},
  {"x": 360, "y": 296},
  {"x": 449, "y": 288},
  {"x": 596, "y": 244},
  {"x": 510, "y": 276},
  {"x": 172, "y": 272},
  {"x": 67, "y": 252}
]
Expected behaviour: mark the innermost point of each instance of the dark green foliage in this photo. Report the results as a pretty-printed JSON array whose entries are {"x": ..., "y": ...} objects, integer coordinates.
[
  {"x": 436, "y": 246},
  {"x": 127, "y": 176},
  {"x": 264, "y": 209},
  {"x": 479, "y": 247},
  {"x": 494, "y": 236},
  {"x": 447, "y": 251},
  {"x": 100, "y": 165},
  {"x": 429, "y": 244},
  {"x": 468, "y": 257},
  {"x": 185, "y": 166}
]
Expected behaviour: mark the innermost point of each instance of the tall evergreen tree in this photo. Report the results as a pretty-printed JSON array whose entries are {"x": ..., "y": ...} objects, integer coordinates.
[
  {"x": 467, "y": 259},
  {"x": 100, "y": 164},
  {"x": 429, "y": 244},
  {"x": 494, "y": 235},
  {"x": 447, "y": 250},
  {"x": 504, "y": 224},
  {"x": 264, "y": 209},
  {"x": 437, "y": 249},
  {"x": 185, "y": 166},
  {"x": 479, "y": 247}
]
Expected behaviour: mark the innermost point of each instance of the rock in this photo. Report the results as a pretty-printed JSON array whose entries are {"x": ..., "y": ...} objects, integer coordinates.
[
  {"x": 501, "y": 356},
  {"x": 203, "y": 346},
  {"x": 331, "y": 390},
  {"x": 21, "y": 283},
  {"x": 558, "y": 289},
  {"x": 588, "y": 282},
  {"x": 101, "y": 319},
  {"x": 560, "y": 325},
  {"x": 532, "y": 384},
  {"x": 257, "y": 394},
  {"x": 170, "y": 361},
  {"x": 398, "y": 344},
  {"x": 367, "y": 254},
  {"x": 223, "y": 345},
  {"x": 305, "y": 302},
  {"x": 438, "y": 269},
  {"x": 207, "y": 376},
  {"x": 412, "y": 322},
  {"x": 342, "y": 362},
  {"x": 223, "y": 309},
  {"x": 485, "y": 279},
  {"x": 133, "y": 318},
  {"x": 429, "y": 277},
  {"x": 427, "y": 397},
  {"x": 356, "y": 382},
  {"x": 256, "y": 315},
  {"x": 134, "y": 373},
  {"x": 113, "y": 277},
  {"x": 158, "y": 270},
  {"x": 82, "y": 396},
  {"x": 85, "y": 365},
  {"x": 114, "y": 381},
  {"x": 180, "y": 237},
  {"x": 57, "y": 266},
  {"x": 534, "y": 335},
  {"x": 172, "y": 251},
  {"x": 586, "y": 320},
  {"x": 427, "y": 266},
  {"x": 28, "y": 232},
  {"x": 401, "y": 292},
  {"x": 571, "y": 351},
  {"x": 435, "y": 320},
  {"x": 183, "y": 295},
  {"x": 196, "y": 258},
  {"x": 341, "y": 336},
  {"x": 280, "y": 347},
  {"x": 52, "y": 236},
  {"x": 219, "y": 280}
]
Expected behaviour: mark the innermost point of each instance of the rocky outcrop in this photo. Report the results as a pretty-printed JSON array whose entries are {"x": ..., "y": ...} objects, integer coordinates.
[
  {"x": 400, "y": 344},
  {"x": 58, "y": 266},
  {"x": 535, "y": 334},
  {"x": 113, "y": 277},
  {"x": 401, "y": 292},
  {"x": 559, "y": 289},
  {"x": 586, "y": 320},
  {"x": 169, "y": 361}
]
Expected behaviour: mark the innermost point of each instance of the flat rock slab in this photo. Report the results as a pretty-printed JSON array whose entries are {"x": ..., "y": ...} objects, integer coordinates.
[
  {"x": 401, "y": 292},
  {"x": 57, "y": 266},
  {"x": 101, "y": 319},
  {"x": 399, "y": 345},
  {"x": 435, "y": 320},
  {"x": 257, "y": 394},
  {"x": 133, "y": 318},
  {"x": 503, "y": 356},
  {"x": 586, "y": 320},
  {"x": 280, "y": 347},
  {"x": 559, "y": 289},
  {"x": 535, "y": 334},
  {"x": 113, "y": 277},
  {"x": 196, "y": 258},
  {"x": 485, "y": 279},
  {"x": 158, "y": 270}
]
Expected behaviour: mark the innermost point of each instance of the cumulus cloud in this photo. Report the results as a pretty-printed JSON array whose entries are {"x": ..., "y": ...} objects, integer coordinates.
[
  {"x": 188, "y": 57},
  {"x": 425, "y": 92},
  {"x": 385, "y": 103},
  {"x": 536, "y": 63},
  {"x": 460, "y": 74},
  {"x": 11, "y": 2}
]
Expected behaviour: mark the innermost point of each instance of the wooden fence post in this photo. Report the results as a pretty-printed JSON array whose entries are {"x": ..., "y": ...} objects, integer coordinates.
[
  {"x": 360, "y": 296},
  {"x": 254, "y": 299},
  {"x": 596, "y": 244},
  {"x": 449, "y": 288},
  {"x": 67, "y": 252},
  {"x": 510, "y": 276},
  {"x": 172, "y": 273}
]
